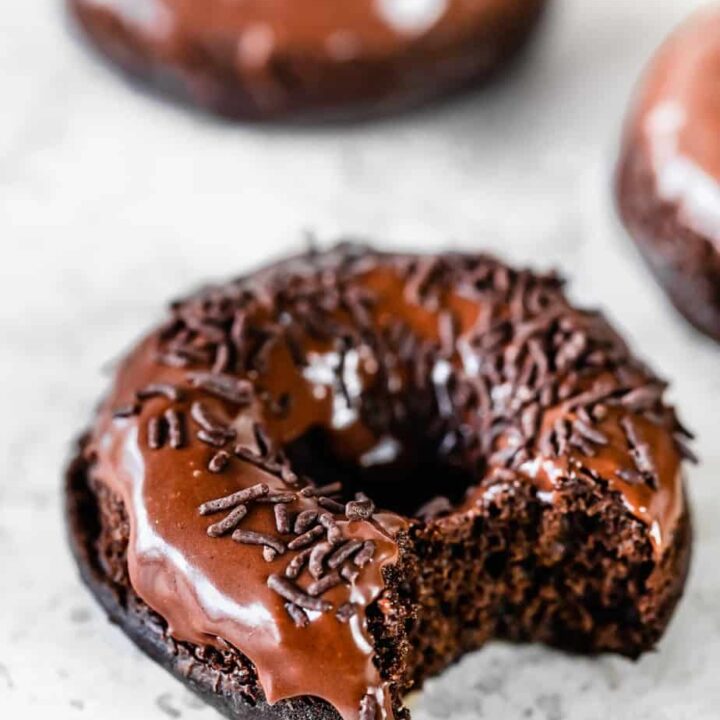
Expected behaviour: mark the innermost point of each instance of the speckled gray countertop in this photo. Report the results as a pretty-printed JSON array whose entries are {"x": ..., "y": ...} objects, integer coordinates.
[{"x": 110, "y": 203}]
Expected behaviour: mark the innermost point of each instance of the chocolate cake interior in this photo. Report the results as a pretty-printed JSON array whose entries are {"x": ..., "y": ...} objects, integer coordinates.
[{"x": 519, "y": 569}]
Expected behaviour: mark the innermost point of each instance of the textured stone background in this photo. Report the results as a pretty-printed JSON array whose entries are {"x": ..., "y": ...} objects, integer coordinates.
[{"x": 111, "y": 202}]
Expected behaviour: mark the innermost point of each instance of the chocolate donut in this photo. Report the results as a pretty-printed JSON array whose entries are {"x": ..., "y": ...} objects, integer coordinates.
[
  {"x": 668, "y": 185},
  {"x": 313, "y": 487},
  {"x": 262, "y": 59}
]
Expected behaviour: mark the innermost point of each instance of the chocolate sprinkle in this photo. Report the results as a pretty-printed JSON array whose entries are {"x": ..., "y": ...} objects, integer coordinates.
[
  {"x": 642, "y": 398},
  {"x": 317, "y": 558},
  {"x": 314, "y": 491},
  {"x": 176, "y": 428},
  {"x": 332, "y": 505},
  {"x": 349, "y": 573},
  {"x": 291, "y": 592},
  {"x": 156, "y": 432},
  {"x": 685, "y": 452},
  {"x": 202, "y": 415},
  {"x": 296, "y": 565},
  {"x": 640, "y": 452},
  {"x": 306, "y": 539},
  {"x": 278, "y": 498},
  {"x": 159, "y": 390},
  {"x": 345, "y": 612},
  {"x": 590, "y": 433},
  {"x": 325, "y": 583},
  {"x": 218, "y": 462},
  {"x": 236, "y": 498},
  {"x": 366, "y": 554},
  {"x": 228, "y": 523},
  {"x": 250, "y": 537},
  {"x": 282, "y": 519},
  {"x": 334, "y": 534},
  {"x": 262, "y": 439},
  {"x": 298, "y": 615},
  {"x": 214, "y": 439},
  {"x": 633, "y": 477},
  {"x": 343, "y": 553},
  {"x": 305, "y": 520},
  {"x": 227, "y": 387},
  {"x": 362, "y": 508},
  {"x": 126, "y": 411}
]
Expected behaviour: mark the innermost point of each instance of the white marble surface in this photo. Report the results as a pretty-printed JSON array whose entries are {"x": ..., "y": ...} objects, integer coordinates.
[{"x": 111, "y": 202}]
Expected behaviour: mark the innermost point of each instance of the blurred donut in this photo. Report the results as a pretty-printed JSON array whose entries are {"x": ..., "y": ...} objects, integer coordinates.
[
  {"x": 261, "y": 59},
  {"x": 668, "y": 183}
]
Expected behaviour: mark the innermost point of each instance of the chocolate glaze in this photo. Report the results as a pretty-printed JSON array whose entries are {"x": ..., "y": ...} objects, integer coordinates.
[
  {"x": 669, "y": 175},
  {"x": 264, "y": 58},
  {"x": 211, "y": 591},
  {"x": 215, "y": 591}
]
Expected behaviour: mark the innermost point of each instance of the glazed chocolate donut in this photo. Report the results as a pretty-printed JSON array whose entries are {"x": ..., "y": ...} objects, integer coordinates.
[
  {"x": 261, "y": 59},
  {"x": 668, "y": 187},
  {"x": 314, "y": 487}
]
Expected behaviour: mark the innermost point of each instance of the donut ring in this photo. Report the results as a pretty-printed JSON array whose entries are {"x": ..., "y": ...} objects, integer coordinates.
[
  {"x": 316, "y": 486},
  {"x": 668, "y": 187},
  {"x": 319, "y": 59}
]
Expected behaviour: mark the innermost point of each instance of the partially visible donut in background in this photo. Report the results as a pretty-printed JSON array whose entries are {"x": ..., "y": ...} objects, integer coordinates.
[
  {"x": 668, "y": 182},
  {"x": 327, "y": 59}
]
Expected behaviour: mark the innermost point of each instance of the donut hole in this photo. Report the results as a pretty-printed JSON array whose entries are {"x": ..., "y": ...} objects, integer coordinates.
[{"x": 400, "y": 476}]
